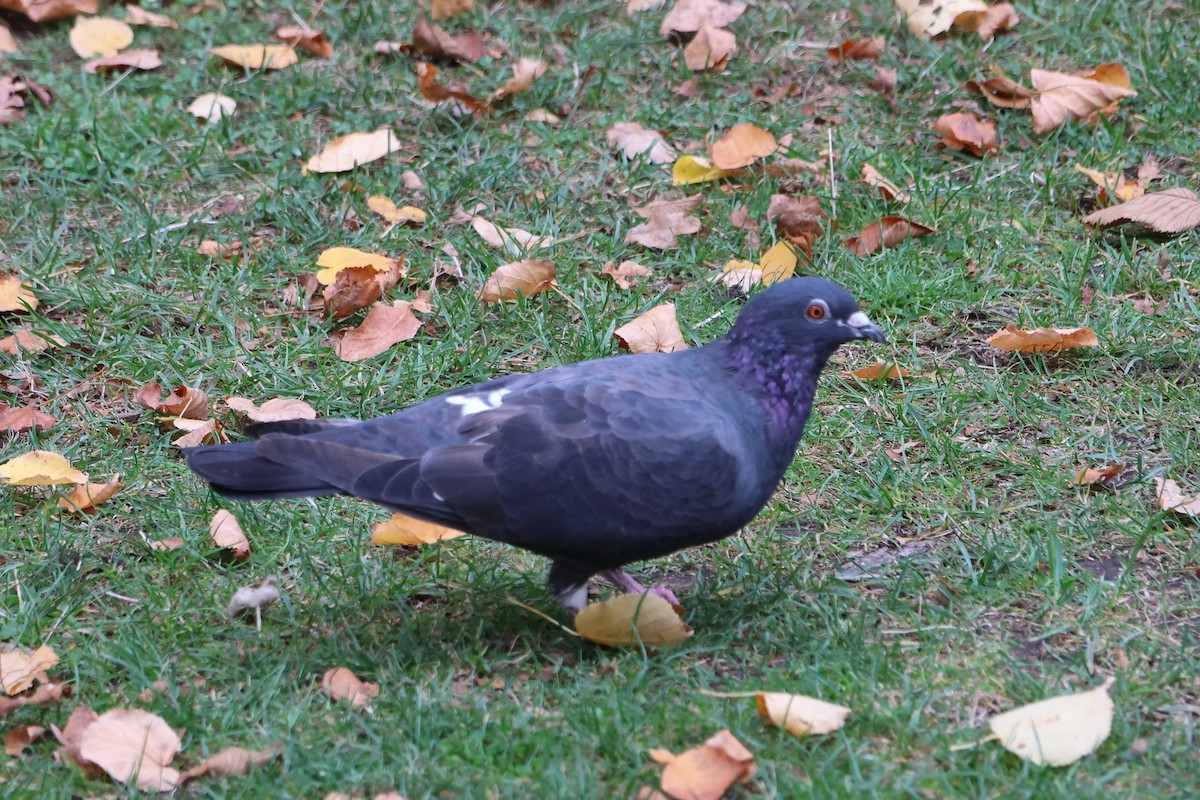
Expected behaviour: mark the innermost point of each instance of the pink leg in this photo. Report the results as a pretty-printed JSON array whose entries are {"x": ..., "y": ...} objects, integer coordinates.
[{"x": 628, "y": 584}]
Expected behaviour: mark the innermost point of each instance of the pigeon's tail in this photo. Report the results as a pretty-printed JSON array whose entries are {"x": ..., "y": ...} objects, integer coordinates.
[{"x": 237, "y": 471}]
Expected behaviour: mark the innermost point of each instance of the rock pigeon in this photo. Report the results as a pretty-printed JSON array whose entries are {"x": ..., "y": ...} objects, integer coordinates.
[{"x": 595, "y": 465}]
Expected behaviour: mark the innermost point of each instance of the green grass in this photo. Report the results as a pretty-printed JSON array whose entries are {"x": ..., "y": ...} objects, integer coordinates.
[{"x": 1030, "y": 587}]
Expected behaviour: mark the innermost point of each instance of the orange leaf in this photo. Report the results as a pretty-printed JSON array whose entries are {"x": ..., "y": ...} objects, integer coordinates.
[
  {"x": 1062, "y": 96},
  {"x": 800, "y": 715},
  {"x": 16, "y": 296},
  {"x": 25, "y": 341},
  {"x": 742, "y": 146},
  {"x": 87, "y": 496},
  {"x": 878, "y": 370},
  {"x": 304, "y": 36},
  {"x": 873, "y": 177},
  {"x": 385, "y": 325},
  {"x": 402, "y": 529},
  {"x": 1104, "y": 476},
  {"x": 444, "y": 9},
  {"x": 711, "y": 48},
  {"x": 1169, "y": 211},
  {"x": 342, "y": 684},
  {"x": 987, "y": 23},
  {"x": 656, "y": 331},
  {"x": 706, "y": 772},
  {"x": 968, "y": 132},
  {"x": 526, "y": 278},
  {"x": 21, "y": 737},
  {"x": 858, "y": 49},
  {"x": 226, "y": 532},
  {"x": 887, "y": 232},
  {"x": 256, "y": 56},
  {"x": 1040, "y": 340},
  {"x": 24, "y": 418}
]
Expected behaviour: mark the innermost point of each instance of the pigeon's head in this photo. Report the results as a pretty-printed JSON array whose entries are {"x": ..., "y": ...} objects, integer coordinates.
[{"x": 807, "y": 311}]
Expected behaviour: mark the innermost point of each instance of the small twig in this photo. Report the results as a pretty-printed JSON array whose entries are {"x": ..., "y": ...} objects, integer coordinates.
[
  {"x": 560, "y": 293},
  {"x": 832, "y": 174},
  {"x": 546, "y": 617},
  {"x": 969, "y": 745},
  {"x": 711, "y": 693},
  {"x": 123, "y": 598}
]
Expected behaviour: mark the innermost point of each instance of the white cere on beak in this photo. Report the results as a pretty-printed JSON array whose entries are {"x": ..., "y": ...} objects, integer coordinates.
[
  {"x": 473, "y": 404},
  {"x": 858, "y": 320}
]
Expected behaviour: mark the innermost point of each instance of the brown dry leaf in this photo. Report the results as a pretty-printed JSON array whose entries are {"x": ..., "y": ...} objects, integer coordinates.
[
  {"x": 444, "y": 9},
  {"x": 1169, "y": 211},
  {"x": 433, "y": 42},
  {"x": 1104, "y": 476},
  {"x": 70, "y": 735},
  {"x": 926, "y": 19},
  {"x": 305, "y": 37},
  {"x": 514, "y": 240},
  {"x": 404, "y": 215},
  {"x": 1057, "y": 731},
  {"x": 697, "y": 169},
  {"x": 8, "y": 44},
  {"x": 99, "y": 36},
  {"x": 342, "y": 684},
  {"x": 519, "y": 278},
  {"x": 880, "y": 369},
  {"x": 45, "y": 10},
  {"x": 385, "y": 325},
  {"x": 656, "y": 331},
  {"x": 231, "y": 761},
  {"x": 542, "y": 115},
  {"x": 987, "y": 23},
  {"x": 967, "y": 132},
  {"x": 634, "y": 141},
  {"x": 133, "y": 746},
  {"x": 437, "y": 93},
  {"x": 87, "y": 496},
  {"x": 1041, "y": 340},
  {"x": 226, "y": 533},
  {"x": 525, "y": 72},
  {"x": 131, "y": 59},
  {"x": 688, "y": 16},
  {"x": 1061, "y": 96},
  {"x": 24, "y": 341},
  {"x": 631, "y": 620},
  {"x": 800, "y": 715},
  {"x": 354, "y": 289},
  {"x": 858, "y": 49},
  {"x": 181, "y": 402},
  {"x": 885, "y": 80},
  {"x": 16, "y": 296},
  {"x": 335, "y": 259},
  {"x": 199, "y": 431},
  {"x": 1171, "y": 498},
  {"x": 21, "y": 737},
  {"x": 1147, "y": 306},
  {"x": 39, "y": 468},
  {"x": 402, "y": 529},
  {"x": 256, "y": 56},
  {"x": 711, "y": 48},
  {"x": 873, "y": 177},
  {"x": 212, "y": 107},
  {"x": 706, "y": 772},
  {"x": 136, "y": 15},
  {"x": 1002, "y": 91},
  {"x": 18, "y": 669},
  {"x": 42, "y": 694},
  {"x": 887, "y": 232},
  {"x": 665, "y": 220},
  {"x": 797, "y": 219},
  {"x": 742, "y": 146},
  {"x": 1113, "y": 185},
  {"x": 626, "y": 274},
  {"x": 24, "y": 418},
  {"x": 274, "y": 410},
  {"x": 352, "y": 150},
  {"x": 222, "y": 250}
]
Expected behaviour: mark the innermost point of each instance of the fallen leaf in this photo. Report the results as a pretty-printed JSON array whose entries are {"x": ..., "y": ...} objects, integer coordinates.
[
  {"x": 1041, "y": 340},
  {"x": 927, "y": 20},
  {"x": 226, "y": 533},
  {"x": 797, "y": 219},
  {"x": 136, "y": 15},
  {"x": 182, "y": 401},
  {"x": 542, "y": 115},
  {"x": 199, "y": 431},
  {"x": 39, "y": 468},
  {"x": 18, "y": 669},
  {"x": 656, "y": 331},
  {"x": 87, "y": 496},
  {"x": 412, "y": 181},
  {"x": 634, "y": 141},
  {"x": 231, "y": 761},
  {"x": 433, "y": 42},
  {"x": 697, "y": 169},
  {"x": 1002, "y": 91},
  {"x": 858, "y": 49},
  {"x": 1113, "y": 185},
  {"x": 42, "y": 694},
  {"x": 405, "y": 215},
  {"x": 887, "y": 232},
  {"x": 133, "y": 746},
  {"x": 385, "y": 325},
  {"x": 71, "y": 734},
  {"x": 45, "y": 10},
  {"x": 212, "y": 107},
  {"x": 890, "y": 191},
  {"x": 437, "y": 93},
  {"x": 335, "y": 259},
  {"x": 705, "y": 772},
  {"x": 402, "y": 529},
  {"x": 254, "y": 597},
  {"x": 800, "y": 715},
  {"x": 307, "y": 38},
  {"x": 1147, "y": 306},
  {"x": 665, "y": 220},
  {"x": 988, "y": 22},
  {"x": 21, "y": 737},
  {"x": 776, "y": 264},
  {"x": 631, "y": 620},
  {"x": 131, "y": 59},
  {"x": 967, "y": 132},
  {"x": 711, "y": 48},
  {"x": 256, "y": 56},
  {"x": 879, "y": 370},
  {"x": 688, "y": 16},
  {"x": 342, "y": 684},
  {"x": 514, "y": 240},
  {"x": 1061, "y": 96},
  {"x": 24, "y": 342},
  {"x": 222, "y": 250},
  {"x": 1057, "y": 731},
  {"x": 742, "y": 146},
  {"x": 523, "y": 278},
  {"x": 1171, "y": 498},
  {"x": 444, "y": 9},
  {"x": 885, "y": 80},
  {"x": 353, "y": 150},
  {"x": 99, "y": 36},
  {"x": 1169, "y": 211},
  {"x": 1102, "y": 476},
  {"x": 525, "y": 72},
  {"x": 24, "y": 418},
  {"x": 15, "y": 295},
  {"x": 626, "y": 274}
]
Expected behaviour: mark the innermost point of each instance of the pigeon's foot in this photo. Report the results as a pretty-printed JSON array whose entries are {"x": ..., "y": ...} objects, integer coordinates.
[{"x": 628, "y": 584}]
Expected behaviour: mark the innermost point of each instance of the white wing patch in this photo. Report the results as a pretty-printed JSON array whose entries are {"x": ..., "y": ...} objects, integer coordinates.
[{"x": 473, "y": 404}]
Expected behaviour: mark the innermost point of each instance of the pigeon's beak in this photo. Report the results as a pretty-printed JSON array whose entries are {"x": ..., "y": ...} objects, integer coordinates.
[{"x": 863, "y": 327}]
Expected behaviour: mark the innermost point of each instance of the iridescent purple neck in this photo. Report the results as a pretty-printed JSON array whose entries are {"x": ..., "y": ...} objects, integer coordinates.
[{"x": 786, "y": 376}]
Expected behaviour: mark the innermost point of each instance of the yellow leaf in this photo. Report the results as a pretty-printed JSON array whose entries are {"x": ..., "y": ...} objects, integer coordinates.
[
  {"x": 257, "y": 56},
  {"x": 336, "y": 259},
  {"x": 402, "y": 529},
  {"x": 705, "y": 772},
  {"x": 880, "y": 369},
  {"x": 697, "y": 169},
  {"x": 777, "y": 264},
  {"x": 632, "y": 619},
  {"x": 405, "y": 215},
  {"x": 16, "y": 296},
  {"x": 1058, "y": 731},
  {"x": 354, "y": 149},
  {"x": 800, "y": 715},
  {"x": 99, "y": 36},
  {"x": 39, "y": 468},
  {"x": 18, "y": 670},
  {"x": 89, "y": 495}
]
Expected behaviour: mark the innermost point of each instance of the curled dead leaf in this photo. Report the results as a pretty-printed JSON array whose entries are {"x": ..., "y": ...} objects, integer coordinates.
[
  {"x": 971, "y": 133},
  {"x": 635, "y": 141},
  {"x": 688, "y": 16},
  {"x": 19, "y": 669},
  {"x": 1169, "y": 211},
  {"x": 1171, "y": 498},
  {"x": 226, "y": 532},
  {"x": 435, "y": 92},
  {"x": 86, "y": 496},
  {"x": 513, "y": 240},
  {"x": 631, "y": 620},
  {"x": 1002, "y": 91},
  {"x": 24, "y": 341},
  {"x": 21, "y": 737},
  {"x": 404, "y": 215},
  {"x": 231, "y": 761},
  {"x": 1105, "y": 476},
  {"x": 273, "y": 410},
  {"x": 927, "y": 20},
  {"x": 890, "y": 191},
  {"x": 182, "y": 401},
  {"x": 523, "y": 278},
  {"x": 342, "y": 684},
  {"x": 656, "y": 331},
  {"x": 858, "y": 49},
  {"x": 988, "y": 22},
  {"x": 797, "y": 219},
  {"x": 887, "y": 232},
  {"x": 306, "y": 38},
  {"x": 800, "y": 715},
  {"x": 877, "y": 371},
  {"x": 386, "y": 325},
  {"x": 741, "y": 146},
  {"x": 256, "y": 56},
  {"x": 403, "y": 529},
  {"x": 1062, "y": 96},
  {"x": 626, "y": 274},
  {"x": 705, "y": 772},
  {"x": 128, "y": 59},
  {"x": 1041, "y": 340},
  {"x": 431, "y": 41}
]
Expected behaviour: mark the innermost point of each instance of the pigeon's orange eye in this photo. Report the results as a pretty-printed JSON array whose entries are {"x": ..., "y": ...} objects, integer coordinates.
[{"x": 816, "y": 311}]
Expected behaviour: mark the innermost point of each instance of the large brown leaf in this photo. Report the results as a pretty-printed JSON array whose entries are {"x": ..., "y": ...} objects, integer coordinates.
[
  {"x": 385, "y": 325},
  {"x": 1169, "y": 211},
  {"x": 1062, "y": 96},
  {"x": 887, "y": 232}
]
